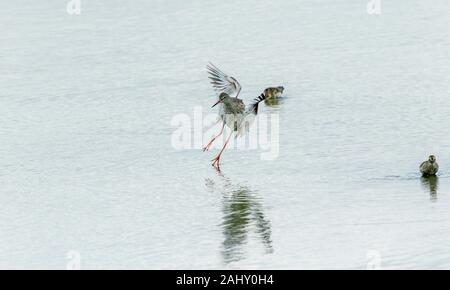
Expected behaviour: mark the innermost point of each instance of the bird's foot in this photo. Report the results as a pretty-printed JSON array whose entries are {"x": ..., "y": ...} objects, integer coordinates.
[
  {"x": 216, "y": 162},
  {"x": 206, "y": 148}
]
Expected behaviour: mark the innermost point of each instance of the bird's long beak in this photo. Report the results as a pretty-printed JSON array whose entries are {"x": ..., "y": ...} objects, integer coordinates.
[{"x": 216, "y": 103}]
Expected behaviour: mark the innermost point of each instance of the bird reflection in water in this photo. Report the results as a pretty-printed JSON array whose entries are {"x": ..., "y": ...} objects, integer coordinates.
[
  {"x": 274, "y": 96},
  {"x": 243, "y": 216},
  {"x": 273, "y": 102},
  {"x": 431, "y": 185}
]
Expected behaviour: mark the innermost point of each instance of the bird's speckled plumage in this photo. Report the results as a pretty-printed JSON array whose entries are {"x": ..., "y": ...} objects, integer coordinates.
[
  {"x": 275, "y": 92},
  {"x": 429, "y": 167},
  {"x": 237, "y": 116}
]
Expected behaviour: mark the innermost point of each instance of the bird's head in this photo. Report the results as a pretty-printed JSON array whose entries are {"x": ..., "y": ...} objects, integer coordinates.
[
  {"x": 281, "y": 89},
  {"x": 222, "y": 97},
  {"x": 432, "y": 158}
]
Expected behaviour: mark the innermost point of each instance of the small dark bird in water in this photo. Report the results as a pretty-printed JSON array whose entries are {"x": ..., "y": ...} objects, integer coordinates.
[
  {"x": 429, "y": 167},
  {"x": 273, "y": 92}
]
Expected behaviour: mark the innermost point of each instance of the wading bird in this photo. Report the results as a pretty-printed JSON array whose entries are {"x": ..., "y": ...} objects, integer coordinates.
[
  {"x": 232, "y": 111},
  {"x": 429, "y": 167}
]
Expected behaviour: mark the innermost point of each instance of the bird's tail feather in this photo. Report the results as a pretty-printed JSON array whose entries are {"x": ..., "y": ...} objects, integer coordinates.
[
  {"x": 250, "y": 115},
  {"x": 254, "y": 105}
]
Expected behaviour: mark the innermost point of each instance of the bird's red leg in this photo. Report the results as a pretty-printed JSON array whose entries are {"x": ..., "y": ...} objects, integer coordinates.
[
  {"x": 217, "y": 158},
  {"x": 206, "y": 148}
]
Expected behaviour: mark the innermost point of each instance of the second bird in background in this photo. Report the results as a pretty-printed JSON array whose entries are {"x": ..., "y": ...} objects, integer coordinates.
[
  {"x": 273, "y": 96},
  {"x": 429, "y": 167}
]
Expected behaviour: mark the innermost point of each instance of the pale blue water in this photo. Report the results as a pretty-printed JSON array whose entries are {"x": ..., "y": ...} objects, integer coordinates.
[{"x": 87, "y": 165}]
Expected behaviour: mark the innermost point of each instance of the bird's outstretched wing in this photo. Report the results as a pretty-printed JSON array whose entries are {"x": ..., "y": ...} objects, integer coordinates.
[{"x": 223, "y": 83}]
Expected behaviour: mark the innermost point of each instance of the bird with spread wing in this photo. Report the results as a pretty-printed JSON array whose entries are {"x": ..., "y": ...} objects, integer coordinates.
[{"x": 232, "y": 110}]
